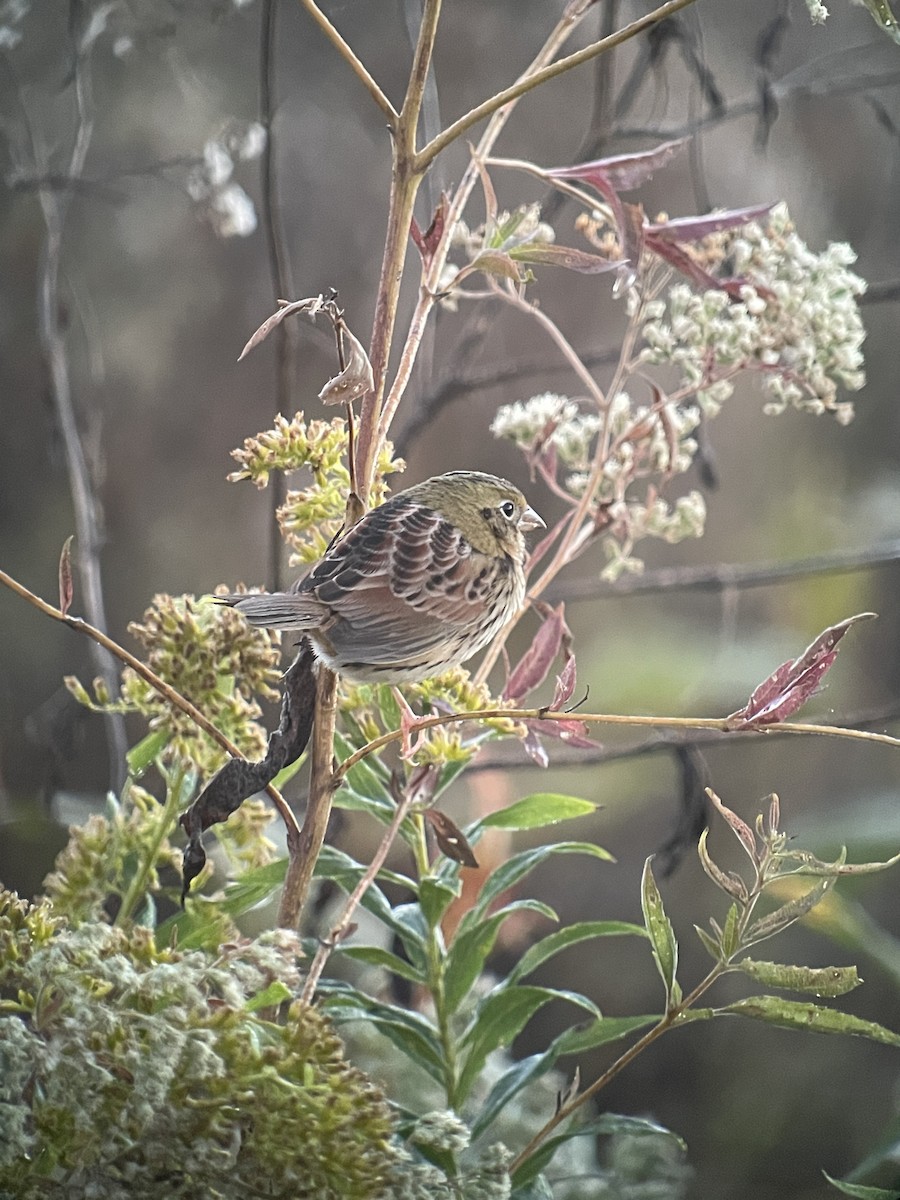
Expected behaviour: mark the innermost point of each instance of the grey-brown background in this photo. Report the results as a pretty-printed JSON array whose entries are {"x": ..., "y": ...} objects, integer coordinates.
[{"x": 157, "y": 308}]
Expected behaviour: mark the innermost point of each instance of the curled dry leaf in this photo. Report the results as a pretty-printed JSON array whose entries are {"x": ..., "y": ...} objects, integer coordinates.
[
  {"x": 312, "y": 306},
  {"x": 66, "y": 583},
  {"x": 426, "y": 243},
  {"x": 356, "y": 379},
  {"x": 450, "y": 838},
  {"x": 794, "y": 682}
]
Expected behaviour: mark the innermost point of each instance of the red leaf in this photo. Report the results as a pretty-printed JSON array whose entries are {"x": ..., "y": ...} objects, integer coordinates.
[
  {"x": 426, "y": 243},
  {"x": 694, "y": 229},
  {"x": 535, "y": 663},
  {"x": 794, "y": 682},
  {"x": 573, "y": 732},
  {"x": 740, "y": 828},
  {"x": 623, "y": 172},
  {"x": 66, "y": 583}
]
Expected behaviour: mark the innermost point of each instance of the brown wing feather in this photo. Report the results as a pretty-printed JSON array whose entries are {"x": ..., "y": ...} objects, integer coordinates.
[{"x": 401, "y": 581}]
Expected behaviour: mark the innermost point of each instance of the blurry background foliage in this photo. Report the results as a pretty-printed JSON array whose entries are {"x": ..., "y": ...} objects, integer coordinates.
[{"x": 164, "y": 271}]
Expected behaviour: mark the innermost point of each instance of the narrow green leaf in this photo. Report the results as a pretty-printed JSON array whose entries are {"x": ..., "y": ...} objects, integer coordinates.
[
  {"x": 510, "y": 1083},
  {"x": 662, "y": 936},
  {"x": 554, "y": 942},
  {"x": 860, "y": 1190},
  {"x": 539, "y": 811},
  {"x": 276, "y": 993},
  {"x": 141, "y": 756},
  {"x": 577, "y": 1039},
  {"x": 516, "y": 868},
  {"x": 363, "y": 779},
  {"x": 286, "y": 774},
  {"x": 787, "y": 914},
  {"x": 376, "y": 956},
  {"x": 710, "y": 945},
  {"x": 409, "y": 1032},
  {"x": 608, "y": 1123},
  {"x": 499, "y": 1018},
  {"x": 795, "y": 1014},
  {"x": 435, "y": 897},
  {"x": 730, "y": 934},
  {"x": 884, "y": 18},
  {"x": 818, "y": 981},
  {"x": 470, "y": 948}
]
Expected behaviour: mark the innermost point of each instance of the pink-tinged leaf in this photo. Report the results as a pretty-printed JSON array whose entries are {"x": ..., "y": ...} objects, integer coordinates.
[
  {"x": 631, "y": 235},
  {"x": 534, "y": 747},
  {"x": 673, "y": 254},
  {"x": 794, "y": 682},
  {"x": 571, "y": 731},
  {"x": 739, "y": 828},
  {"x": 426, "y": 243},
  {"x": 694, "y": 229},
  {"x": 623, "y": 172},
  {"x": 543, "y": 546},
  {"x": 66, "y": 582},
  {"x": 286, "y": 308},
  {"x": 565, "y": 684},
  {"x": 490, "y": 196},
  {"x": 356, "y": 380},
  {"x": 535, "y": 663},
  {"x": 564, "y": 256}
]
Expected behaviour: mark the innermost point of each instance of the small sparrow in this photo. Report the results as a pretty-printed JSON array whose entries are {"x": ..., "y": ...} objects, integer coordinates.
[{"x": 415, "y": 587}]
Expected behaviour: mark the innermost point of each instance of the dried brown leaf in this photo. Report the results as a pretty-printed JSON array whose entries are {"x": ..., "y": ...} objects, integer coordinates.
[{"x": 66, "y": 582}]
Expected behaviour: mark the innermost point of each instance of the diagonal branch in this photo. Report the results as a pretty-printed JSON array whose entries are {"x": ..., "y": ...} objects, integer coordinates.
[
  {"x": 356, "y": 65},
  {"x": 428, "y": 153}
]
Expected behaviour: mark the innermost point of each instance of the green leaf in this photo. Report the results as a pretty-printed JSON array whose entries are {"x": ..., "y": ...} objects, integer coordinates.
[
  {"x": 499, "y": 1018},
  {"x": 436, "y": 896},
  {"x": 510, "y": 1083},
  {"x": 606, "y": 1029},
  {"x": 276, "y": 993},
  {"x": 148, "y": 749},
  {"x": 539, "y": 811},
  {"x": 469, "y": 949},
  {"x": 860, "y": 1190},
  {"x": 363, "y": 779},
  {"x": 795, "y": 1014},
  {"x": 286, "y": 774},
  {"x": 884, "y": 18},
  {"x": 409, "y": 1032},
  {"x": 819, "y": 981},
  {"x": 554, "y": 942},
  {"x": 662, "y": 936},
  {"x": 516, "y": 868},
  {"x": 731, "y": 933},
  {"x": 710, "y": 945},
  {"x": 787, "y": 914},
  {"x": 608, "y": 1123},
  {"x": 376, "y": 956}
]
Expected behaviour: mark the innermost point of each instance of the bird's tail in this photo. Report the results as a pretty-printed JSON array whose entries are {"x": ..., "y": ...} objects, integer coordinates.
[{"x": 276, "y": 610}]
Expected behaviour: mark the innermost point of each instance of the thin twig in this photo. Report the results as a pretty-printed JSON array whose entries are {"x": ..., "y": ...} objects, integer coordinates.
[
  {"x": 288, "y": 332},
  {"x": 339, "y": 931},
  {"x": 302, "y": 863},
  {"x": 428, "y": 153},
  {"x": 89, "y": 537},
  {"x": 165, "y": 690},
  {"x": 539, "y": 714},
  {"x": 356, "y": 66}
]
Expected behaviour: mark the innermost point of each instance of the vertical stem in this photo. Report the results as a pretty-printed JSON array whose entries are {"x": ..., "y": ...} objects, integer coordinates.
[
  {"x": 288, "y": 332},
  {"x": 318, "y": 807}
]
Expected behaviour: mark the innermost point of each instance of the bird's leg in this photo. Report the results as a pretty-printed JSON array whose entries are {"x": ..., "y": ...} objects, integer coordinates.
[{"x": 409, "y": 724}]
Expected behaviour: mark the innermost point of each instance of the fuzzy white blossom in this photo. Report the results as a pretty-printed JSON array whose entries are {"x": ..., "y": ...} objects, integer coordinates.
[
  {"x": 571, "y": 430},
  {"x": 817, "y": 11},
  {"x": 797, "y": 323}
]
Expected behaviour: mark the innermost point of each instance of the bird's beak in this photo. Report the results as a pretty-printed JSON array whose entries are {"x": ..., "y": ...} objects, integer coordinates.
[{"x": 530, "y": 520}]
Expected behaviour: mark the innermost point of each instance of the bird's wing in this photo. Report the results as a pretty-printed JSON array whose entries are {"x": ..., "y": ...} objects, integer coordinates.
[{"x": 403, "y": 579}]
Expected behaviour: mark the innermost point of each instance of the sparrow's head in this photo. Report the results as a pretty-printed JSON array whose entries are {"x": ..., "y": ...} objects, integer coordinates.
[{"x": 491, "y": 512}]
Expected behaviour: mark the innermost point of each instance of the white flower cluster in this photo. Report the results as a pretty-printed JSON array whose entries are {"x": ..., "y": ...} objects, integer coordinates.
[
  {"x": 226, "y": 205},
  {"x": 797, "y": 323},
  {"x": 633, "y": 520},
  {"x": 571, "y": 431},
  {"x": 645, "y": 440},
  {"x": 817, "y": 11}
]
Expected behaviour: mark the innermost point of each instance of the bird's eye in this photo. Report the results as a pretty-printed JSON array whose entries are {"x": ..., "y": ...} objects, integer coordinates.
[{"x": 508, "y": 509}]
